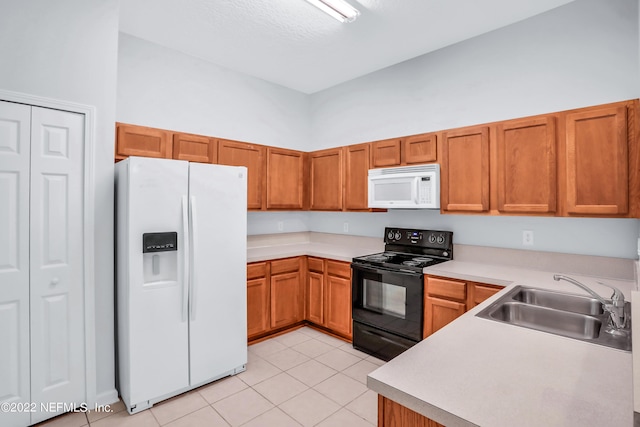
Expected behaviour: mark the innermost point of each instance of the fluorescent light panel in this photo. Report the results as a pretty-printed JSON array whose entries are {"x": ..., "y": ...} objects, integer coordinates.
[{"x": 337, "y": 9}]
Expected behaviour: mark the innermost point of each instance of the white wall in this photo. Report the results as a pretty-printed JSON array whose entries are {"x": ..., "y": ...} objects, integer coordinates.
[
  {"x": 163, "y": 88},
  {"x": 67, "y": 50},
  {"x": 584, "y": 53}
]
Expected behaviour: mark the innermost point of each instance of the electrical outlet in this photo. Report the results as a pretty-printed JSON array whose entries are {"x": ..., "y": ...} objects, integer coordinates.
[
  {"x": 280, "y": 225},
  {"x": 527, "y": 238},
  {"x": 345, "y": 227}
]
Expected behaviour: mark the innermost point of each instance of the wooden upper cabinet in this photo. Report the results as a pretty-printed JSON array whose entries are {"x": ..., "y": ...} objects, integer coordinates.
[
  {"x": 285, "y": 179},
  {"x": 252, "y": 156},
  {"x": 596, "y": 158},
  {"x": 465, "y": 170},
  {"x": 142, "y": 141},
  {"x": 356, "y": 173},
  {"x": 386, "y": 153},
  {"x": 194, "y": 148},
  {"x": 326, "y": 179},
  {"x": 527, "y": 166},
  {"x": 418, "y": 149}
]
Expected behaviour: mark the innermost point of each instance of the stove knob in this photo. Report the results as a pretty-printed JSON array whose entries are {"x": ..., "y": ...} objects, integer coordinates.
[
  {"x": 390, "y": 235},
  {"x": 398, "y": 235},
  {"x": 440, "y": 239},
  {"x": 432, "y": 238},
  {"x": 445, "y": 253}
]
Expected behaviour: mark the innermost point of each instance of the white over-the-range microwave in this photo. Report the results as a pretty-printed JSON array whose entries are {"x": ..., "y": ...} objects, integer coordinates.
[{"x": 405, "y": 187}]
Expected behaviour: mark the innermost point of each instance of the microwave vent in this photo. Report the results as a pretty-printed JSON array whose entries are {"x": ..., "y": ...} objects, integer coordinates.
[{"x": 405, "y": 169}]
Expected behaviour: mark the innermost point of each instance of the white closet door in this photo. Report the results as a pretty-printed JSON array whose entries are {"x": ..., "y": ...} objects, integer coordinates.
[
  {"x": 14, "y": 260},
  {"x": 57, "y": 300}
]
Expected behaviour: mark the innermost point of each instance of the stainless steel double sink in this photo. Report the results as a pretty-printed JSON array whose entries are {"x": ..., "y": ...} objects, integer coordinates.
[{"x": 569, "y": 315}]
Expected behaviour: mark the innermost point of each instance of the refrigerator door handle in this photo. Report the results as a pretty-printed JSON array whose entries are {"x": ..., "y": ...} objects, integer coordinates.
[
  {"x": 193, "y": 237},
  {"x": 185, "y": 260}
]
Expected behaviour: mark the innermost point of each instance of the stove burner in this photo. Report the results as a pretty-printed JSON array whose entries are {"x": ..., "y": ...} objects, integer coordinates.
[
  {"x": 411, "y": 263},
  {"x": 422, "y": 259},
  {"x": 380, "y": 257}
]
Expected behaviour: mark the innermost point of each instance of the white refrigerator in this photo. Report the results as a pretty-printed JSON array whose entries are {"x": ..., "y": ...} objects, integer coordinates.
[{"x": 181, "y": 276}]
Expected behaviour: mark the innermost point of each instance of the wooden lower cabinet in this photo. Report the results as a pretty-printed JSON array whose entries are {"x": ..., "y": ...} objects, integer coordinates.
[
  {"x": 328, "y": 295},
  {"x": 286, "y": 295},
  {"x": 447, "y": 299},
  {"x": 338, "y": 298},
  {"x": 258, "y": 300},
  {"x": 392, "y": 414}
]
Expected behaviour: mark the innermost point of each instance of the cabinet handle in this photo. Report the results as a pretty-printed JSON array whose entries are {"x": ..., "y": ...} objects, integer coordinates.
[{"x": 55, "y": 281}]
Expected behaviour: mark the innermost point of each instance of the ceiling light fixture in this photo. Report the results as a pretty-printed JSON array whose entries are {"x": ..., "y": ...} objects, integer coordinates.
[{"x": 337, "y": 9}]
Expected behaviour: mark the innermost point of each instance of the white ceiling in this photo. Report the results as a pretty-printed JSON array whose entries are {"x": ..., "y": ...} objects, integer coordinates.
[{"x": 291, "y": 43}]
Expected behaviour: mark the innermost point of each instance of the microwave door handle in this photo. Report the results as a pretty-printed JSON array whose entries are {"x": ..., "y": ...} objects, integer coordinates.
[{"x": 416, "y": 190}]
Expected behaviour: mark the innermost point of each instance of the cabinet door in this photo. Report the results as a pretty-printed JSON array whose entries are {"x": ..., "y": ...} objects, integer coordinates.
[
  {"x": 56, "y": 270},
  {"x": 315, "y": 298},
  {"x": 419, "y": 149},
  {"x": 597, "y": 162},
  {"x": 527, "y": 166},
  {"x": 14, "y": 260},
  {"x": 440, "y": 312},
  {"x": 285, "y": 179},
  {"x": 356, "y": 184},
  {"x": 142, "y": 141},
  {"x": 480, "y": 292},
  {"x": 257, "y": 306},
  {"x": 251, "y": 156},
  {"x": 338, "y": 303},
  {"x": 286, "y": 307},
  {"x": 385, "y": 153},
  {"x": 465, "y": 170},
  {"x": 326, "y": 179},
  {"x": 194, "y": 148}
]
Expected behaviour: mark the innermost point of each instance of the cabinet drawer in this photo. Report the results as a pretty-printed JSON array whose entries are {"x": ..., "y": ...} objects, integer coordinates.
[
  {"x": 447, "y": 288},
  {"x": 341, "y": 269},
  {"x": 285, "y": 265},
  {"x": 316, "y": 264},
  {"x": 255, "y": 270}
]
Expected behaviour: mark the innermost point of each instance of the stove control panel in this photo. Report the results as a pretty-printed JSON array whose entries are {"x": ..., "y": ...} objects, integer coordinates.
[{"x": 422, "y": 238}]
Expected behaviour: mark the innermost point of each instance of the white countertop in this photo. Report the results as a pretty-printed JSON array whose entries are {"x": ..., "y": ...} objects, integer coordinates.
[{"x": 481, "y": 372}]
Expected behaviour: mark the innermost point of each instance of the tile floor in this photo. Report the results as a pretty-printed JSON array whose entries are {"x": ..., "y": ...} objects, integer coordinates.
[{"x": 302, "y": 378}]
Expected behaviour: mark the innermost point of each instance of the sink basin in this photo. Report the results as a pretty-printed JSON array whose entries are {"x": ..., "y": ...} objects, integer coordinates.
[
  {"x": 573, "y": 325},
  {"x": 560, "y": 301},
  {"x": 568, "y": 315}
]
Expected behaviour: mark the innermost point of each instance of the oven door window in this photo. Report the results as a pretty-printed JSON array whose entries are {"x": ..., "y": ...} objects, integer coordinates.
[{"x": 384, "y": 298}]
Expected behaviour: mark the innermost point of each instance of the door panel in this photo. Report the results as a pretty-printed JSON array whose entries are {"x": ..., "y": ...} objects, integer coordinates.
[
  {"x": 234, "y": 153},
  {"x": 14, "y": 259},
  {"x": 155, "y": 325},
  {"x": 57, "y": 282},
  {"x": 218, "y": 295}
]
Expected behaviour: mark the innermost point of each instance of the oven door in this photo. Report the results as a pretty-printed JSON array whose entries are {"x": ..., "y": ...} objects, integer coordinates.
[{"x": 391, "y": 300}]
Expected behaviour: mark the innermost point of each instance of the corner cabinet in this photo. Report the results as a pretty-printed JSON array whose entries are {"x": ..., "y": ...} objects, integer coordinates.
[
  {"x": 464, "y": 176},
  {"x": 328, "y": 295},
  {"x": 447, "y": 299},
  {"x": 285, "y": 179},
  {"x": 326, "y": 179}
]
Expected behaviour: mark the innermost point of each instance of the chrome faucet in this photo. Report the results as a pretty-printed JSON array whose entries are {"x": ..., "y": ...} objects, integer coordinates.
[{"x": 615, "y": 307}]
